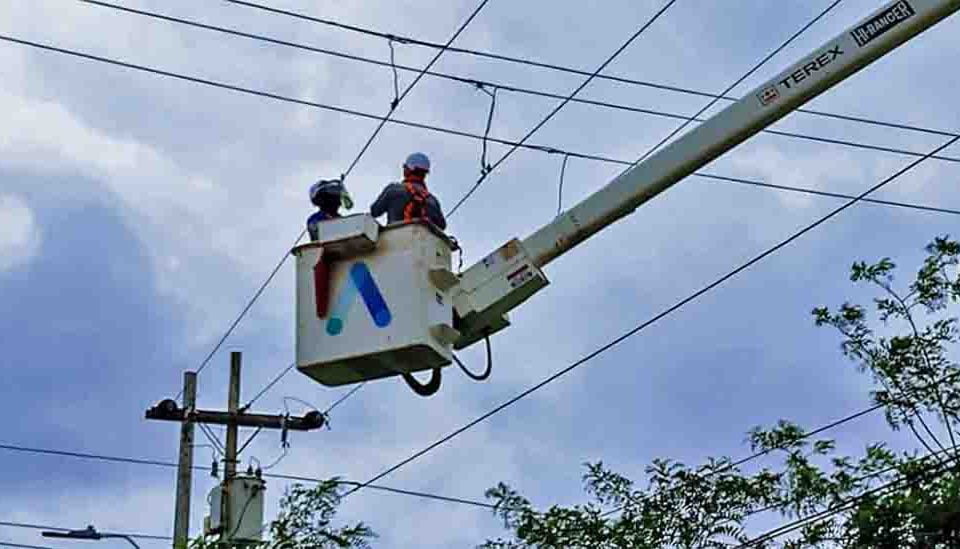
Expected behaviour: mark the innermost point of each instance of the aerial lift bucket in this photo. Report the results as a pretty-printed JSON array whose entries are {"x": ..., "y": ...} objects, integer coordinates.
[{"x": 374, "y": 301}]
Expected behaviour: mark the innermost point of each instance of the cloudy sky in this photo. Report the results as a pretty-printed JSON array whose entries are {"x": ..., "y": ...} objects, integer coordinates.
[{"x": 139, "y": 213}]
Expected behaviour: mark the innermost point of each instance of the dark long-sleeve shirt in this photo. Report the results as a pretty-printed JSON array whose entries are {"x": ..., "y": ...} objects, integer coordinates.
[{"x": 394, "y": 199}]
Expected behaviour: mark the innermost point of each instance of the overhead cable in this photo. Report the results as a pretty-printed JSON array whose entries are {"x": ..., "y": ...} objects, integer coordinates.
[
  {"x": 572, "y": 70},
  {"x": 756, "y": 67},
  {"x": 818, "y": 431},
  {"x": 340, "y": 400},
  {"x": 397, "y": 100},
  {"x": 171, "y": 465},
  {"x": 540, "y": 148},
  {"x": 31, "y": 526},
  {"x": 269, "y": 386},
  {"x": 246, "y": 308},
  {"x": 823, "y": 13},
  {"x": 433, "y": 385},
  {"x": 23, "y": 546},
  {"x": 136, "y": 461},
  {"x": 393, "y": 106},
  {"x": 382, "y": 120},
  {"x": 663, "y": 314},
  {"x": 487, "y": 84},
  {"x": 350, "y": 112},
  {"x": 936, "y": 470},
  {"x": 566, "y": 100}
]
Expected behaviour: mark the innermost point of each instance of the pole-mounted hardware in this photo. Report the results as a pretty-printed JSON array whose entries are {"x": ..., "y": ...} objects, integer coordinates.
[
  {"x": 237, "y": 502},
  {"x": 169, "y": 410}
]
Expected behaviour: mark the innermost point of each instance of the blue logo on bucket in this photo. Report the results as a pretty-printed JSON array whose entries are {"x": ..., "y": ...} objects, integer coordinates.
[{"x": 359, "y": 282}]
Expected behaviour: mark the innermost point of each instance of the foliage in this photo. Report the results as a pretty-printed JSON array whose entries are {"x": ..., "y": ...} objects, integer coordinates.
[
  {"x": 305, "y": 521},
  {"x": 881, "y": 499}
]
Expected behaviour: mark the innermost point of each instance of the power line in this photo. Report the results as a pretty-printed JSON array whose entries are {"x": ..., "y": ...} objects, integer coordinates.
[
  {"x": 24, "y": 546},
  {"x": 663, "y": 314},
  {"x": 269, "y": 386},
  {"x": 414, "y": 493},
  {"x": 775, "y": 506},
  {"x": 820, "y": 430},
  {"x": 729, "y": 88},
  {"x": 571, "y": 70},
  {"x": 924, "y": 157},
  {"x": 276, "y": 269},
  {"x": 287, "y": 370},
  {"x": 340, "y": 400},
  {"x": 436, "y": 57},
  {"x": 549, "y": 150},
  {"x": 704, "y": 109},
  {"x": 171, "y": 465},
  {"x": 473, "y": 82},
  {"x": 487, "y": 171},
  {"x": 300, "y": 478},
  {"x": 746, "y": 75},
  {"x": 350, "y": 112},
  {"x": 62, "y": 529},
  {"x": 382, "y": 121},
  {"x": 938, "y": 469},
  {"x": 540, "y": 148},
  {"x": 475, "y": 503},
  {"x": 827, "y": 194},
  {"x": 683, "y": 302},
  {"x": 393, "y": 105},
  {"x": 363, "y": 150},
  {"x": 246, "y": 308}
]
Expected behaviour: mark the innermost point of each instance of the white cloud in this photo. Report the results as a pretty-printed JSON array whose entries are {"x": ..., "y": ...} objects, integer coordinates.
[{"x": 19, "y": 234}]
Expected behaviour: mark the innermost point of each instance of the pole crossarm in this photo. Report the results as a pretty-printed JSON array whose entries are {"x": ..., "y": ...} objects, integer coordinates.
[{"x": 307, "y": 422}]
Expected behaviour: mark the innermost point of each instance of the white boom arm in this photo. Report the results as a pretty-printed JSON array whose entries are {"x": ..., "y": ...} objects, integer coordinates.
[{"x": 506, "y": 278}]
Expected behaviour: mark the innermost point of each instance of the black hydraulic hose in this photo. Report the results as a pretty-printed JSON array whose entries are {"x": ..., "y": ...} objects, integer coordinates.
[
  {"x": 486, "y": 373},
  {"x": 424, "y": 389}
]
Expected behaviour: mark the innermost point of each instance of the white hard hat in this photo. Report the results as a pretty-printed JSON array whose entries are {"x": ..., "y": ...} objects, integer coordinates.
[
  {"x": 333, "y": 187},
  {"x": 418, "y": 161}
]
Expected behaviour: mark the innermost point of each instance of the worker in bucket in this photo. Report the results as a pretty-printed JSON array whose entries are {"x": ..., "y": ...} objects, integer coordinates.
[
  {"x": 410, "y": 200},
  {"x": 328, "y": 195}
]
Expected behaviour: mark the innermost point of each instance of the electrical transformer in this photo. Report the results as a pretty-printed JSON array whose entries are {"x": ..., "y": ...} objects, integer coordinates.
[{"x": 243, "y": 498}]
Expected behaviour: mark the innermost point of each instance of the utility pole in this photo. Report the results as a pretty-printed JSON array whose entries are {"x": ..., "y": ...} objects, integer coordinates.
[
  {"x": 236, "y": 506},
  {"x": 233, "y": 406},
  {"x": 181, "y": 520},
  {"x": 230, "y": 450}
]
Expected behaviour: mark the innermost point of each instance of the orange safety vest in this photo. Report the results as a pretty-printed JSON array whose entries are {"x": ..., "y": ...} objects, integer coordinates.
[{"x": 417, "y": 207}]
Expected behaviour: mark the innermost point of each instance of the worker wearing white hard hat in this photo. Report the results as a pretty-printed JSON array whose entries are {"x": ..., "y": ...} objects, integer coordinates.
[
  {"x": 328, "y": 195},
  {"x": 410, "y": 200}
]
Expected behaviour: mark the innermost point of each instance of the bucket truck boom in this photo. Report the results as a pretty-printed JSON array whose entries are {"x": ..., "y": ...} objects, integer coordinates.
[
  {"x": 418, "y": 311},
  {"x": 506, "y": 278}
]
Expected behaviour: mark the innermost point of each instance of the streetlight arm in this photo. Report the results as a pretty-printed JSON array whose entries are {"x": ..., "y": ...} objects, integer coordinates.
[
  {"x": 126, "y": 537},
  {"x": 89, "y": 533}
]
